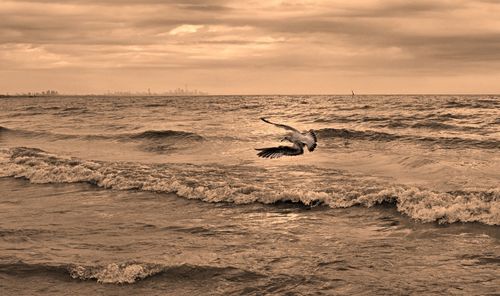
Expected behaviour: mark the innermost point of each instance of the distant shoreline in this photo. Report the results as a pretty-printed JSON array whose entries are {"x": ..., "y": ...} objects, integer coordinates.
[
  {"x": 3, "y": 96},
  {"x": 103, "y": 95}
]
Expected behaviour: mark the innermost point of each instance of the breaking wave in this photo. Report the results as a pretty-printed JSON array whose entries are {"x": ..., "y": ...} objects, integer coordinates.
[
  {"x": 247, "y": 184},
  {"x": 126, "y": 272}
]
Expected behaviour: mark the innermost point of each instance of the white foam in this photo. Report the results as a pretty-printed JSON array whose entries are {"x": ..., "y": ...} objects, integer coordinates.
[
  {"x": 248, "y": 184},
  {"x": 114, "y": 273}
]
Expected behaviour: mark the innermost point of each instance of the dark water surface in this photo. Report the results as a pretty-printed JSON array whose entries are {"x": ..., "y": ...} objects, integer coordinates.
[
  {"x": 166, "y": 196},
  {"x": 62, "y": 238}
]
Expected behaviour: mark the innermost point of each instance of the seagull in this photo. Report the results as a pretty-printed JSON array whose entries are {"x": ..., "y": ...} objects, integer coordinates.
[{"x": 297, "y": 138}]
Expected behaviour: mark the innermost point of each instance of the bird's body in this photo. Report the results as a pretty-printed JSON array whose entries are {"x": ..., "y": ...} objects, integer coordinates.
[{"x": 297, "y": 138}]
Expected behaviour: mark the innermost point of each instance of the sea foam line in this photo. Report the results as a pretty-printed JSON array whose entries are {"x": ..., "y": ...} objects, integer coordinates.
[{"x": 245, "y": 184}]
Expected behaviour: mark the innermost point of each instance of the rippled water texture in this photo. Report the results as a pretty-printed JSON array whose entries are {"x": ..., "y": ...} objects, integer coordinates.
[{"x": 165, "y": 195}]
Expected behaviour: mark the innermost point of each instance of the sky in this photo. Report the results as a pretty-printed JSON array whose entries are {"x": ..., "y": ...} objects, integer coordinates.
[{"x": 251, "y": 47}]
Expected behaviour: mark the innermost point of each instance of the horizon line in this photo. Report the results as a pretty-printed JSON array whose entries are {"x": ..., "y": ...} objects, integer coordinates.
[{"x": 17, "y": 94}]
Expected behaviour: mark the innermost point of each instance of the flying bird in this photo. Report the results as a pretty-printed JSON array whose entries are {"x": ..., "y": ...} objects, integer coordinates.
[{"x": 297, "y": 138}]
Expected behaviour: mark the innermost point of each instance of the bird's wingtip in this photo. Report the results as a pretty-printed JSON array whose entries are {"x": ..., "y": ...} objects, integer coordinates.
[
  {"x": 313, "y": 134},
  {"x": 313, "y": 147}
]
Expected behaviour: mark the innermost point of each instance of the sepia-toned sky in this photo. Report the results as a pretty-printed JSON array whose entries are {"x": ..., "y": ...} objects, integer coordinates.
[{"x": 251, "y": 47}]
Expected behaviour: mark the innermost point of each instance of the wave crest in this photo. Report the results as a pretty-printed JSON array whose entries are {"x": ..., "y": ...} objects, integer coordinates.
[
  {"x": 370, "y": 135},
  {"x": 125, "y": 272},
  {"x": 114, "y": 273},
  {"x": 240, "y": 184},
  {"x": 160, "y": 134},
  {"x": 149, "y": 135}
]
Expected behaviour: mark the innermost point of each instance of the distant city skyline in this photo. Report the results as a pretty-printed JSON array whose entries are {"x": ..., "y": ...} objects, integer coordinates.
[
  {"x": 257, "y": 47},
  {"x": 148, "y": 92}
]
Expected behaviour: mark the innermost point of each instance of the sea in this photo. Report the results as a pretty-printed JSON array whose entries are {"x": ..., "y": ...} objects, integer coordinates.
[{"x": 103, "y": 195}]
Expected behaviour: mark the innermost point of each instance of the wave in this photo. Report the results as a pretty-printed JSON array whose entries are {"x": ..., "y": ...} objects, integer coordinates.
[
  {"x": 433, "y": 124},
  {"x": 124, "y": 273},
  {"x": 25, "y": 133},
  {"x": 478, "y": 103},
  {"x": 163, "y": 141},
  {"x": 154, "y": 105},
  {"x": 57, "y": 111},
  {"x": 162, "y": 134},
  {"x": 247, "y": 184},
  {"x": 429, "y": 121},
  {"x": 146, "y": 135},
  {"x": 354, "y": 134},
  {"x": 153, "y": 141},
  {"x": 370, "y": 135},
  {"x": 20, "y": 232}
]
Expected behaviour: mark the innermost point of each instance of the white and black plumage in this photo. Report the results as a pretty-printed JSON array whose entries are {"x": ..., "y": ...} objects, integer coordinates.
[{"x": 297, "y": 138}]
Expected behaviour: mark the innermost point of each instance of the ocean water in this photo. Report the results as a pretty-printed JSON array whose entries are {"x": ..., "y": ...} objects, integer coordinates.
[{"x": 166, "y": 196}]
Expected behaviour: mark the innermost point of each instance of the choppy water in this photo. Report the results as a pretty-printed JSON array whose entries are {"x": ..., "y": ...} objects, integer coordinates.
[{"x": 167, "y": 195}]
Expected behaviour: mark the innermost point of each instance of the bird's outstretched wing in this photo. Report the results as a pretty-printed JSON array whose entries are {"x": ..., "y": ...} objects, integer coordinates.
[
  {"x": 287, "y": 127},
  {"x": 311, "y": 140},
  {"x": 275, "y": 152}
]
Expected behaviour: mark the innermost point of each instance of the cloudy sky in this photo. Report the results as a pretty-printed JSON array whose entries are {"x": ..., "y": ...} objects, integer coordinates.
[{"x": 251, "y": 47}]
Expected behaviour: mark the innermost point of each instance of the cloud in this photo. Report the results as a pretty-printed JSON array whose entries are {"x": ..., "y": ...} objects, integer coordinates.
[
  {"x": 185, "y": 29},
  {"x": 371, "y": 37}
]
